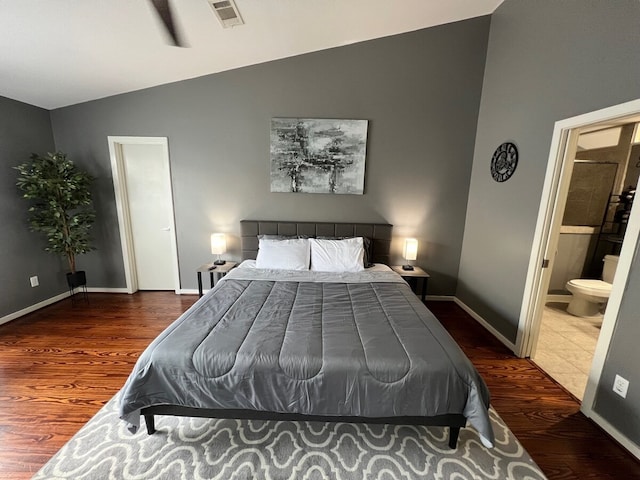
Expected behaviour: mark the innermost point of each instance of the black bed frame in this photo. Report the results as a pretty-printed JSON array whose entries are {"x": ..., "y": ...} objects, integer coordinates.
[
  {"x": 453, "y": 421},
  {"x": 380, "y": 235}
]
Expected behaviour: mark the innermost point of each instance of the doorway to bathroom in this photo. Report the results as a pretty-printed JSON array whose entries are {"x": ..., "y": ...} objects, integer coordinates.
[
  {"x": 597, "y": 205},
  {"x": 540, "y": 292}
]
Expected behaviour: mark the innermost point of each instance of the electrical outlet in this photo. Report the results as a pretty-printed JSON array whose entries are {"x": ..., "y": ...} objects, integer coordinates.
[
  {"x": 34, "y": 281},
  {"x": 620, "y": 386}
]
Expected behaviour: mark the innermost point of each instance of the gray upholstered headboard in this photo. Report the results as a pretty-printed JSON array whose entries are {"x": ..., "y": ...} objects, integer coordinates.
[{"x": 379, "y": 233}]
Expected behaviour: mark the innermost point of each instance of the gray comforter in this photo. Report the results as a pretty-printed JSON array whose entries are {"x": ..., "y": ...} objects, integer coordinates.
[{"x": 309, "y": 343}]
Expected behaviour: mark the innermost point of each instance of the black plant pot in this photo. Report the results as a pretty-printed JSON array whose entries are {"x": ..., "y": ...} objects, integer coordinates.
[{"x": 77, "y": 279}]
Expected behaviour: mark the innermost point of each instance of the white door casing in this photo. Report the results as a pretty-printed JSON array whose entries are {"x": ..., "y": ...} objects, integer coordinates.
[
  {"x": 144, "y": 200},
  {"x": 558, "y": 192}
]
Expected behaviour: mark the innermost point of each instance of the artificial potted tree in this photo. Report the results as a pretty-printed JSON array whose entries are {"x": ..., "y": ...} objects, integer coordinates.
[{"x": 61, "y": 207}]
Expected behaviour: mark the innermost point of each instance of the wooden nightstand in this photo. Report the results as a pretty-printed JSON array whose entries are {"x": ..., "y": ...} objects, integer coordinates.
[
  {"x": 412, "y": 276},
  {"x": 218, "y": 272}
]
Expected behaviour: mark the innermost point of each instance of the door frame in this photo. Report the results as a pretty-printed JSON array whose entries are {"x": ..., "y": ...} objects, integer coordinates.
[
  {"x": 559, "y": 171},
  {"x": 545, "y": 240},
  {"x": 122, "y": 206}
]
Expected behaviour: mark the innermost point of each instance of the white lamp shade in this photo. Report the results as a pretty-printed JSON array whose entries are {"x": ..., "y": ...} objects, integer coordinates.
[
  {"x": 410, "y": 249},
  {"x": 218, "y": 243}
]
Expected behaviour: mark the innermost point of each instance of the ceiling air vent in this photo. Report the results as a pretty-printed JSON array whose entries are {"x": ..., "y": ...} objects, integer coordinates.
[{"x": 227, "y": 12}]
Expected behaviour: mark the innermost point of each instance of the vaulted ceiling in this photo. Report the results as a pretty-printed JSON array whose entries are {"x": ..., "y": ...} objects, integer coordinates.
[{"x": 62, "y": 52}]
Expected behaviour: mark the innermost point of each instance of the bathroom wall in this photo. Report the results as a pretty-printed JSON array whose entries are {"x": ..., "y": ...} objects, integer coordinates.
[
  {"x": 590, "y": 191},
  {"x": 575, "y": 246},
  {"x": 618, "y": 154}
]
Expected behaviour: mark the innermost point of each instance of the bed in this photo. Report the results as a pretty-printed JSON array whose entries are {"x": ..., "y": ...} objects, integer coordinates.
[{"x": 295, "y": 344}]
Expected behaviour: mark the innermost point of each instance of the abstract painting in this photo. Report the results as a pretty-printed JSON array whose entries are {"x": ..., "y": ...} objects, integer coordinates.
[{"x": 310, "y": 155}]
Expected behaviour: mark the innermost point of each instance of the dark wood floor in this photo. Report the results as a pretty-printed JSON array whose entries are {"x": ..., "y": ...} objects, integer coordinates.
[{"x": 59, "y": 365}]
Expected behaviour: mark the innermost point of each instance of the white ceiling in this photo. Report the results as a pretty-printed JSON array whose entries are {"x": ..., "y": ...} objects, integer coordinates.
[{"x": 55, "y": 53}]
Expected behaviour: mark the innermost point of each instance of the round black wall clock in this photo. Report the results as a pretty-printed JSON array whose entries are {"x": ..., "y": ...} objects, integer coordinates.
[{"x": 504, "y": 162}]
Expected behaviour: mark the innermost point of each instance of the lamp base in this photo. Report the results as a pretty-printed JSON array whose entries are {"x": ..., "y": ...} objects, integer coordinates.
[
  {"x": 219, "y": 262},
  {"x": 407, "y": 267}
]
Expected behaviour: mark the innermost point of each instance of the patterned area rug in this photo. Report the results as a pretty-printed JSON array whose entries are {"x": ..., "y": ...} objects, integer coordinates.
[{"x": 193, "y": 448}]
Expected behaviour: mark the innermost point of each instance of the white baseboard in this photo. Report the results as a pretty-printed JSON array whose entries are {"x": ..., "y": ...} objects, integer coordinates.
[
  {"x": 190, "y": 291},
  {"x": 485, "y": 324},
  {"x": 559, "y": 298},
  {"x": 106, "y": 290},
  {"x": 57, "y": 298},
  {"x": 33, "y": 308},
  {"x": 440, "y": 298},
  {"x": 182, "y": 291},
  {"x": 612, "y": 431}
]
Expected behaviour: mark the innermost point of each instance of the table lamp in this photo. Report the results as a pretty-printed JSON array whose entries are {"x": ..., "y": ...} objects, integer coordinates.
[
  {"x": 218, "y": 246},
  {"x": 410, "y": 252}
]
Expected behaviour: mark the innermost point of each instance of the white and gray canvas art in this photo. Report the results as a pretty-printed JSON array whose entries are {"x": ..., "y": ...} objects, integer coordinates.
[{"x": 310, "y": 155}]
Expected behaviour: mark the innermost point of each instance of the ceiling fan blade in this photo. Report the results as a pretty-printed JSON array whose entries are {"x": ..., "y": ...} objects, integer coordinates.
[{"x": 163, "y": 8}]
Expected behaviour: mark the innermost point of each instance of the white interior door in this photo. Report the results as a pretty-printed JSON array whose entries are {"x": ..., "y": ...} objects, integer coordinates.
[
  {"x": 147, "y": 179},
  {"x": 142, "y": 180}
]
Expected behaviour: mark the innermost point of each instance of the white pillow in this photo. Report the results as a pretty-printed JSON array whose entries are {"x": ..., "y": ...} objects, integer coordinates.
[
  {"x": 337, "y": 255},
  {"x": 290, "y": 254}
]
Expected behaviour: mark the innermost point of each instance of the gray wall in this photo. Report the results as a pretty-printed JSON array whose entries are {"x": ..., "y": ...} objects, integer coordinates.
[
  {"x": 420, "y": 92},
  {"x": 622, "y": 359},
  {"x": 546, "y": 61},
  {"x": 24, "y": 129}
]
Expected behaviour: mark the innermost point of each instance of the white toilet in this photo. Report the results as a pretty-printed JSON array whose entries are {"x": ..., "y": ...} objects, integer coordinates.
[{"x": 590, "y": 295}]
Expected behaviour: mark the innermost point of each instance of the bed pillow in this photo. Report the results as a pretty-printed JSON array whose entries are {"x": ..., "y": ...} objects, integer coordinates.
[
  {"x": 337, "y": 255},
  {"x": 368, "y": 250},
  {"x": 289, "y": 254}
]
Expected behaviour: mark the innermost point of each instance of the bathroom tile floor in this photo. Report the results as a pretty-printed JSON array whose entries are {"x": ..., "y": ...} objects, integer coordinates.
[{"x": 565, "y": 347}]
